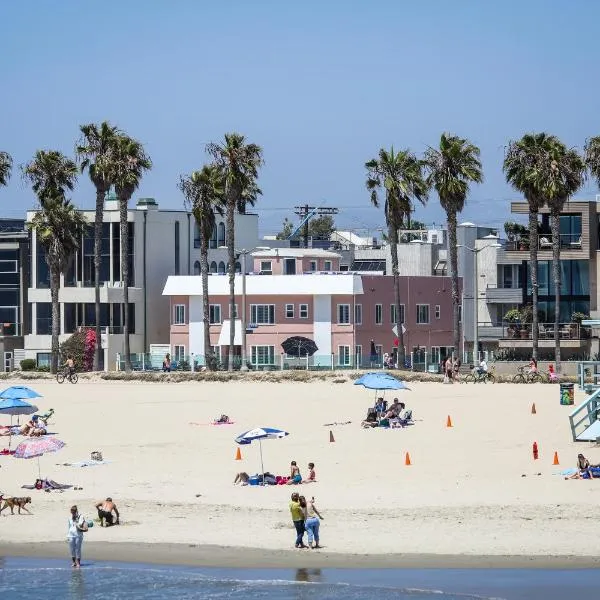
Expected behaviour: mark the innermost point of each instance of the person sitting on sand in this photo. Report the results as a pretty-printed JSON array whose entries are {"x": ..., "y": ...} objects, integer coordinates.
[
  {"x": 241, "y": 477},
  {"x": 295, "y": 476},
  {"x": 105, "y": 512},
  {"x": 27, "y": 427},
  {"x": 380, "y": 406},
  {"x": 583, "y": 466},
  {"x": 222, "y": 419},
  {"x": 312, "y": 476}
]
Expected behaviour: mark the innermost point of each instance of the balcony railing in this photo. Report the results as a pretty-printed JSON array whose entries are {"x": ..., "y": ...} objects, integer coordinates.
[
  {"x": 568, "y": 241},
  {"x": 566, "y": 331}
]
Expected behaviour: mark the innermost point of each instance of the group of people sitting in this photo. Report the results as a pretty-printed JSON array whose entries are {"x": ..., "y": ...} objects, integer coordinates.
[
  {"x": 382, "y": 415},
  {"x": 585, "y": 470},
  {"x": 294, "y": 478}
]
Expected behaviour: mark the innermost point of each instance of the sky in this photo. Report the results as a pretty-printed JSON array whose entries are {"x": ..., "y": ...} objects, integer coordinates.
[{"x": 319, "y": 85}]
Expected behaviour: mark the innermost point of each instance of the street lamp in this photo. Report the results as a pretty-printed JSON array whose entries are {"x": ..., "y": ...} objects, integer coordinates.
[
  {"x": 476, "y": 252},
  {"x": 243, "y": 253}
]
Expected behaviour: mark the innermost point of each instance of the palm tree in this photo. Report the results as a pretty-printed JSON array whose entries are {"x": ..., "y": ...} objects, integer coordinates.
[
  {"x": 452, "y": 168},
  {"x": 238, "y": 163},
  {"x": 94, "y": 151},
  {"x": 5, "y": 167},
  {"x": 203, "y": 191},
  {"x": 565, "y": 171},
  {"x": 400, "y": 174},
  {"x": 524, "y": 167},
  {"x": 58, "y": 224},
  {"x": 129, "y": 163}
]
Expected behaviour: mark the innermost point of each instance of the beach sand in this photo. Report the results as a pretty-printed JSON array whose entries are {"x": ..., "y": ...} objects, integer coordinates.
[{"x": 464, "y": 493}]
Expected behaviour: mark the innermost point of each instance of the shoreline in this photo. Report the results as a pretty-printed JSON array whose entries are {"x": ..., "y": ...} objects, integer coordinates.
[{"x": 210, "y": 556}]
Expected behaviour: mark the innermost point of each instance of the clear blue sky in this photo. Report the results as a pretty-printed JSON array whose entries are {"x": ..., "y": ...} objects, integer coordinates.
[{"x": 320, "y": 85}]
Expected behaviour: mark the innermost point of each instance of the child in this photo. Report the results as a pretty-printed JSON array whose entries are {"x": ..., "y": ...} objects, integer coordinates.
[{"x": 553, "y": 376}]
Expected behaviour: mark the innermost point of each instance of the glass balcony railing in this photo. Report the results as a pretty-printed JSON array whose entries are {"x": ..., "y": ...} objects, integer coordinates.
[{"x": 568, "y": 241}]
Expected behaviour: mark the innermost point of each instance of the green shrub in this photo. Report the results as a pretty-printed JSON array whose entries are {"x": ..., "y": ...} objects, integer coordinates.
[{"x": 28, "y": 364}]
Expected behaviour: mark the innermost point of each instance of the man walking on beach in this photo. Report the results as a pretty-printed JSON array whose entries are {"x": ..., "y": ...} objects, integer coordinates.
[{"x": 298, "y": 519}]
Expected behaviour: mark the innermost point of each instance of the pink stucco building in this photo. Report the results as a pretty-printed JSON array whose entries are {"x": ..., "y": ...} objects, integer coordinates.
[{"x": 300, "y": 292}]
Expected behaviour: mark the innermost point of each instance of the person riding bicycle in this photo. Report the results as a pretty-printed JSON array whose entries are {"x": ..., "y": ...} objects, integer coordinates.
[
  {"x": 482, "y": 368},
  {"x": 533, "y": 366},
  {"x": 69, "y": 366}
]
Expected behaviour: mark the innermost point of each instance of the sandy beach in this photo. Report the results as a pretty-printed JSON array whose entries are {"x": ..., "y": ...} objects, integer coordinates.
[{"x": 472, "y": 490}]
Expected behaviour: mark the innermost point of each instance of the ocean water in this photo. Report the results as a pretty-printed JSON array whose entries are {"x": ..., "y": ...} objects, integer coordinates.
[{"x": 108, "y": 581}]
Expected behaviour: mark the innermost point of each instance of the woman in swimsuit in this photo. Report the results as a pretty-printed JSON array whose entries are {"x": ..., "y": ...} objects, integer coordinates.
[{"x": 295, "y": 476}]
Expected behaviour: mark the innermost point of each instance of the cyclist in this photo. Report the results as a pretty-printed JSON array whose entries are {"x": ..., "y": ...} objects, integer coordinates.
[
  {"x": 533, "y": 366},
  {"x": 69, "y": 366},
  {"x": 482, "y": 369}
]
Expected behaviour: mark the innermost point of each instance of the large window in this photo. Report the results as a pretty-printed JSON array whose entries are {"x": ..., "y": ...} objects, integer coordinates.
[
  {"x": 265, "y": 267},
  {"x": 393, "y": 314},
  {"x": 221, "y": 234},
  {"x": 422, "y": 314},
  {"x": 178, "y": 353},
  {"x": 214, "y": 314},
  {"x": 43, "y": 319},
  {"x": 179, "y": 314},
  {"x": 197, "y": 268},
  {"x": 343, "y": 312},
  {"x": 344, "y": 357},
  {"x": 378, "y": 314},
  {"x": 262, "y": 314},
  {"x": 358, "y": 314},
  {"x": 263, "y": 355}
]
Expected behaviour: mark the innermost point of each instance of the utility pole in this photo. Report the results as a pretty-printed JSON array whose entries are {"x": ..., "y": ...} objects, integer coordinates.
[{"x": 306, "y": 212}]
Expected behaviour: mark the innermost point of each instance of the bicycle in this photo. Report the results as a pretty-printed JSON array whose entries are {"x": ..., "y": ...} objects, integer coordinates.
[
  {"x": 477, "y": 377},
  {"x": 62, "y": 375},
  {"x": 522, "y": 377}
]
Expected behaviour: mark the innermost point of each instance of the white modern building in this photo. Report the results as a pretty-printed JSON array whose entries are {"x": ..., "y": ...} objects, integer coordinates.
[{"x": 161, "y": 243}]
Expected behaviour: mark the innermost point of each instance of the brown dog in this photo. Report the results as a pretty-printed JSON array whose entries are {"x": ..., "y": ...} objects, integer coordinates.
[{"x": 13, "y": 502}]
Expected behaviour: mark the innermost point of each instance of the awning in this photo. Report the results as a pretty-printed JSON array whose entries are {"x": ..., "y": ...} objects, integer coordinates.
[{"x": 226, "y": 328}]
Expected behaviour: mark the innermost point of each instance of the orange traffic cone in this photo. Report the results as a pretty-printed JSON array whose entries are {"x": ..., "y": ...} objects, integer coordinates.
[
  {"x": 449, "y": 422},
  {"x": 331, "y": 438},
  {"x": 555, "y": 461},
  {"x": 533, "y": 411},
  {"x": 407, "y": 460},
  {"x": 238, "y": 454}
]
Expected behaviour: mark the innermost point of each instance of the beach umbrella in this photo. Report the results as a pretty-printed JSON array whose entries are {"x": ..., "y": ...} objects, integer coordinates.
[
  {"x": 14, "y": 406},
  {"x": 299, "y": 346},
  {"x": 19, "y": 392},
  {"x": 380, "y": 381},
  {"x": 260, "y": 434},
  {"x": 36, "y": 447}
]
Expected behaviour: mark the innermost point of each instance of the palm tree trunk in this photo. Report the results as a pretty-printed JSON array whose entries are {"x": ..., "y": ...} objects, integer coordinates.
[
  {"x": 451, "y": 216},
  {"x": 54, "y": 287},
  {"x": 393, "y": 233},
  {"x": 123, "y": 203},
  {"x": 97, "y": 254},
  {"x": 208, "y": 353},
  {"x": 231, "y": 204},
  {"x": 555, "y": 228},
  {"x": 533, "y": 262}
]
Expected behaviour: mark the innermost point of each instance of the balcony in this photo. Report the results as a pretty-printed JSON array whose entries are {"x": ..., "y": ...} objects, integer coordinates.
[
  {"x": 572, "y": 335},
  {"x": 568, "y": 241},
  {"x": 489, "y": 331},
  {"x": 503, "y": 293}
]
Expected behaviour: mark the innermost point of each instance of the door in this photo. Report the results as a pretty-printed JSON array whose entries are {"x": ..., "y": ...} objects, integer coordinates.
[
  {"x": 8, "y": 361},
  {"x": 290, "y": 266}
]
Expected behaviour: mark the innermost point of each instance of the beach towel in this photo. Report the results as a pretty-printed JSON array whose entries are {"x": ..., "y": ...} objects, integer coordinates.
[
  {"x": 212, "y": 423},
  {"x": 85, "y": 463},
  {"x": 333, "y": 424},
  {"x": 48, "y": 484}
]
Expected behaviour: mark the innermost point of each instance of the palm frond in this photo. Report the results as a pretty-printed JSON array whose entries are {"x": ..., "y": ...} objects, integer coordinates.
[
  {"x": 5, "y": 167},
  {"x": 50, "y": 175}
]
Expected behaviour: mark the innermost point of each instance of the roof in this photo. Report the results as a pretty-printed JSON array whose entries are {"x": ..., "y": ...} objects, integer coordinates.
[
  {"x": 268, "y": 285},
  {"x": 295, "y": 253}
]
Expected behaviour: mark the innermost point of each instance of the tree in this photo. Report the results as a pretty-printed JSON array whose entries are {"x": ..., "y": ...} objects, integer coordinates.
[
  {"x": 130, "y": 161},
  {"x": 400, "y": 175},
  {"x": 58, "y": 225},
  {"x": 203, "y": 192},
  {"x": 287, "y": 230},
  {"x": 5, "y": 167},
  {"x": 321, "y": 227},
  {"x": 525, "y": 169},
  {"x": 564, "y": 170},
  {"x": 238, "y": 163},
  {"x": 452, "y": 168},
  {"x": 95, "y": 151}
]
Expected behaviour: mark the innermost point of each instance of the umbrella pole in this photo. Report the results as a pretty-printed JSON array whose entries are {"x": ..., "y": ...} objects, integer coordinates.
[
  {"x": 262, "y": 467},
  {"x": 39, "y": 468}
]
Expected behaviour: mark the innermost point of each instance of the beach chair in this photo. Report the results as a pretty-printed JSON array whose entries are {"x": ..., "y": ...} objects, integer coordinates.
[
  {"x": 44, "y": 418},
  {"x": 403, "y": 421}
]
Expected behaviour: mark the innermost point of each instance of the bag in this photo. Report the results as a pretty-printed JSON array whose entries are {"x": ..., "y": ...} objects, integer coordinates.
[
  {"x": 96, "y": 455},
  {"x": 84, "y": 525}
]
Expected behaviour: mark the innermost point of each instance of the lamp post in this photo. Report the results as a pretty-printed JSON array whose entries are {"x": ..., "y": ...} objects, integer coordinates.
[
  {"x": 243, "y": 253},
  {"x": 476, "y": 252}
]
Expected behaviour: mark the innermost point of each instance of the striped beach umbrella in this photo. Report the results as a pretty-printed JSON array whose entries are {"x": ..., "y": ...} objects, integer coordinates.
[
  {"x": 36, "y": 447},
  {"x": 260, "y": 434}
]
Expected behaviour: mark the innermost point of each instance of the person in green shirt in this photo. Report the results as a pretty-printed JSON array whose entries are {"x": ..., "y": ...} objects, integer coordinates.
[{"x": 298, "y": 517}]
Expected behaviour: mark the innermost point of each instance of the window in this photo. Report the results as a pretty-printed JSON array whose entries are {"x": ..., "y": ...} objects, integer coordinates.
[
  {"x": 214, "y": 314},
  {"x": 221, "y": 268},
  {"x": 262, "y": 314},
  {"x": 178, "y": 353},
  {"x": 213, "y": 267},
  {"x": 344, "y": 267},
  {"x": 179, "y": 314},
  {"x": 8, "y": 266},
  {"x": 265, "y": 267},
  {"x": 438, "y": 311},
  {"x": 197, "y": 269},
  {"x": 263, "y": 355},
  {"x": 303, "y": 310},
  {"x": 177, "y": 248},
  {"x": 327, "y": 265},
  {"x": 422, "y": 314},
  {"x": 358, "y": 314},
  {"x": 344, "y": 356},
  {"x": 289, "y": 311},
  {"x": 43, "y": 359},
  {"x": 221, "y": 234},
  {"x": 378, "y": 314},
  {"x": 313, "y": 265},
  {"x": 43, "y": 318},
  {"x": 358, "y": 355},
  {"x": 343, "y": 314}
]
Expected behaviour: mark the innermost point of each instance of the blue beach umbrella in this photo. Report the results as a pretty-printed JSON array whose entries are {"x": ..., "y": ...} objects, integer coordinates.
[
  {"x": 19, "y": 392},
  {"x": 380, "y": 381},
  {"x": 14, "y": 406},
  {"x": 260, "y": 434}
]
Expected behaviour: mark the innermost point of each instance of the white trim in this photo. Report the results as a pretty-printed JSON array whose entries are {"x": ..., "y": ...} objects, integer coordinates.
[
  {"x": 302, "y": 307},
  {"x": 380, "y": 307},
  {"x": 438, "y": 311},
  {"x": 290, "y": 308},
  {"x": 347, "y": 356},
  {"x": 211, "y": 310},
  {"x": 340, "y": 321}
]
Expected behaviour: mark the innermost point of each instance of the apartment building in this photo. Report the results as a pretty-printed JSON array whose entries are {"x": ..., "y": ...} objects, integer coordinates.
[{"x": 303, "y": 292}]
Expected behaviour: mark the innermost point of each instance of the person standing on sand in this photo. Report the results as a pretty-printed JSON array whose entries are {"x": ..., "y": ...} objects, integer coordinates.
[
  {"x": 312, "y": 523},
  {"x": 77, "y": 526},
  {"x": 298, "y": 519}
]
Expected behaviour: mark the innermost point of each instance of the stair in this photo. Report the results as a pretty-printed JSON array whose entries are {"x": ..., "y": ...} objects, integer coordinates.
[
  {"x": 591, "y": 434},
  {"x": 584, "y": 420}
]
